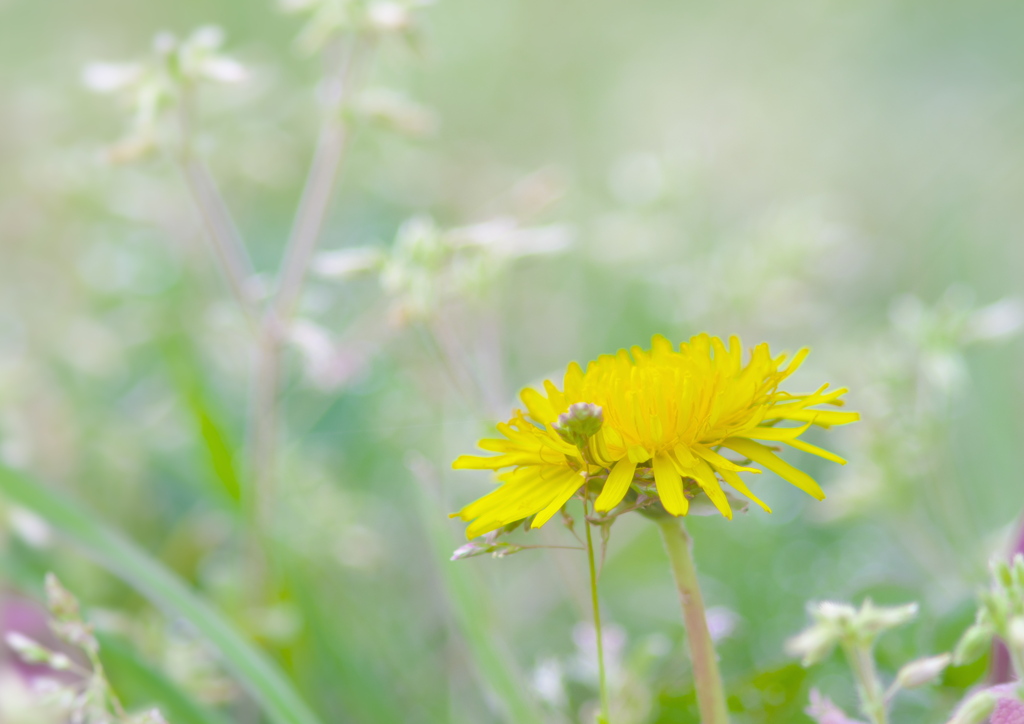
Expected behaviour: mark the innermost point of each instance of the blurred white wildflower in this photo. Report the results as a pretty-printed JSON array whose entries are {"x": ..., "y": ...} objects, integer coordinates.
[
  {"x": 549, "y": 682},
  {"x": 722, "y": 622},
  {"x": 153, "y": 87},
  {"x": 20, "y": 704},
  {"x": 112, "y": 77},
  {"x": 428, "y": 266},
  {"x": 920, "y": 370},
  {"x": 329, "y": 19},
  {"x": 583, "y": 666},
  {"x": 30, "y": 528},
  {"x": 396, "y": 112},
  {"x": 342, "y": 264}
]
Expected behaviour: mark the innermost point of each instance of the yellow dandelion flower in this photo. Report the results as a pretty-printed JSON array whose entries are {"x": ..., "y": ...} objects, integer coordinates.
[{"x": 673, "y": 412}]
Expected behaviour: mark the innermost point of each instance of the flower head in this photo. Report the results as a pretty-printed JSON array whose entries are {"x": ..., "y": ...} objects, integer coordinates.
[{"x": 666, "y": 412}]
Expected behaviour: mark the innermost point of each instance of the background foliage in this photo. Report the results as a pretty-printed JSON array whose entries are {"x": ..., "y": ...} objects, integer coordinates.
[{"x": 842, "y": 176}]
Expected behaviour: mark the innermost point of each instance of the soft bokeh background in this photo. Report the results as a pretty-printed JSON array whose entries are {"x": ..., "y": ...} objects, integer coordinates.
[{"x": 845, "y": 176}]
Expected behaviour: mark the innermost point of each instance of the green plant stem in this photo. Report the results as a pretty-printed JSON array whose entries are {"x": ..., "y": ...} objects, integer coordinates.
[
  {"x": 302, "y": 242},
  {"x": 227, "y": 244},
  {"x": 706, "y": 677},
  {"x": 869, "y": 688},
  {"x": 602, "y": 678}
]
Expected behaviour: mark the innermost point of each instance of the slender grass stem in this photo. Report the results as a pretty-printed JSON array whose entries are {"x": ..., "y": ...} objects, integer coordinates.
[
  {"x": 306, "y": 229},
  {"x": 225, "y": 241},
  {"x": 602, "y": 677},
  {"x": 707, "y": 679}
]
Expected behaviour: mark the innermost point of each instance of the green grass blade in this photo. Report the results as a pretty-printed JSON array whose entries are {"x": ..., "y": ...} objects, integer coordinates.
[
  {"x": 138, "y": 684},
  {"x": 255, "y": 670},
  {"x": 494, "y": 663}
]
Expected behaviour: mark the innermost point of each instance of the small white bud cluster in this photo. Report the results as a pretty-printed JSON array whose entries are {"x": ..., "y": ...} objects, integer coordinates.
[
  {"x": 152, "y": 87},
  {"x": 329, "y": 19},
  {"x": 836, "y": 623},
  {"x": 428, "y": 266},
  {"x": 89, "y": 698}
]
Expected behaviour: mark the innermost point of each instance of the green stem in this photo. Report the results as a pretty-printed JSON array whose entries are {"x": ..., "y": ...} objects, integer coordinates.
[
  {"x": 706, "y": 677},
  {"x": 869, "y": 688},
  {"x": 602, "y": 680}
]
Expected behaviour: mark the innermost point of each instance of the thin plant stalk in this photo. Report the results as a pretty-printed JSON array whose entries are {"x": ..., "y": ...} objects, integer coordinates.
[
  {"x": 706, "y": 676},
  {"x": 227, "y": 244},
  {"x": 308, "y": 224},
  {"x": 869, "y": 688},
  {"x": 601, "y": 675}
]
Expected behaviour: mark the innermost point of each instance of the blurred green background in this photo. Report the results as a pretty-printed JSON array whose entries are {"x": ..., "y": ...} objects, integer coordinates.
[{"x": 844, "y": 176}]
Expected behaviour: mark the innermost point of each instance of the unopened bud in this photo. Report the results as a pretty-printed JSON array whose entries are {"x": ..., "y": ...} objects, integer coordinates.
[
  {"x": 1016, "y": 633},
  {"x": 814, "y": 644},
  {"x": 59, "y": 662},
  {"x": 59, "y": 600},
  {"x": 923, "y": 671},
  {"x": 1001, "y": 573},
  {"x": 997, "y": 605},
  {"x": 833, "y": 613},
  {"x": 498, "y": 549},
  {"x": 976, "y": 709},
  {"x": 972, "y": 644},
  {"x": 874, "y": 620},
  {"x": 469, "y": 550},
  {"x": 580, "y": 423},
  {"x": 27, "y": 649}
]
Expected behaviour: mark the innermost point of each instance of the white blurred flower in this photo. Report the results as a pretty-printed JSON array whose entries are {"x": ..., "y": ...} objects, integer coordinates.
[
  {"x": 997, "y": 321},
  {"x": 346, "y": 263},
  {"x": 111, "y": 77},
  {"x": 32, "y": 529},
  {"x": 388, "y": 16},
  {"x": 549, "y": 682}
]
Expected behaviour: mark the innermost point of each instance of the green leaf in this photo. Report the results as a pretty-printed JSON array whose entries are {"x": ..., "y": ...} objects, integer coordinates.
[
  {"x": 256, "y": 672},
  {"x": 221, "y": 452}
]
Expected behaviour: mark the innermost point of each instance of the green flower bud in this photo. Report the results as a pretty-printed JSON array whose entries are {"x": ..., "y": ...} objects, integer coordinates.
[
  {"x": 1001, "y": 573},
  {"x": 975, "y": 642},
  {"x": 997, "y": 606},
  {"x": 579, "y": 424},
  {"x": 1015, "y": 634},
  {"x": 976, "y": 709}
]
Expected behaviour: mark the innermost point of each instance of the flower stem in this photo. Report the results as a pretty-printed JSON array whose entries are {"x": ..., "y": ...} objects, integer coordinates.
[
  {"x": 706, "y": 677},
  {"x": 604, "y": 718},
  {"x": 872, "y": 698}
]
